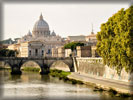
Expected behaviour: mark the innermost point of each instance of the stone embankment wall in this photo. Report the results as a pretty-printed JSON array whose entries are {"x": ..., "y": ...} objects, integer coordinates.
[{"x": 94, "y": 67}]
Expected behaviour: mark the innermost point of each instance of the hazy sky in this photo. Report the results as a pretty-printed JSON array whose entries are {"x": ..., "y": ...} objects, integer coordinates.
[{"x": 64, "y": 19}]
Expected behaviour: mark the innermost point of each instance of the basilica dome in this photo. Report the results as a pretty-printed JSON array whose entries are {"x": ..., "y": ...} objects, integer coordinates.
[{"x": 41, "y": 28}]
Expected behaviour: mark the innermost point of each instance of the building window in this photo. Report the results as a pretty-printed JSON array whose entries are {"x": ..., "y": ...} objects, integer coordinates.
[
  {"x": 36, "y": 52},
  {"x": 49, "y": 51},
  {"x": 42, "y": 52},
  {"x": 29, "y": 52}
]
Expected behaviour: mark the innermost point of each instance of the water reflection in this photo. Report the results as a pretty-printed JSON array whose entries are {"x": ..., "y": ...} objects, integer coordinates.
[
  {"x": 14, "y": 77},
  {"x": 45, "y": 78},
  {"x": 37, "y": 87}
]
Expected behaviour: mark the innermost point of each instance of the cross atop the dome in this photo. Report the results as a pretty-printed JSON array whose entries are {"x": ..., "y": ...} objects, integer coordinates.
[{"x": 41, "y": 17}]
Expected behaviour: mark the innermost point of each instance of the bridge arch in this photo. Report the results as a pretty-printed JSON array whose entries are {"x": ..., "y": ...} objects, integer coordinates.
[
  {"x": 26, "y": 61},
  {"x": 43, "y": 67},
  {"x": 61, "y": 61},
  {"x": 30, "y": 63},
  {"x": 7, "y": 63}
]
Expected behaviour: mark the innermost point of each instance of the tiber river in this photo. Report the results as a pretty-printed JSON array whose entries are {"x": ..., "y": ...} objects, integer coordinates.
[{"x": 33, "y": 86}]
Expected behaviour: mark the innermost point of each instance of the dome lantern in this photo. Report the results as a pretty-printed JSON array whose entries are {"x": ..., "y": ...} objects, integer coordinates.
[{"x": 41, "y": 17}]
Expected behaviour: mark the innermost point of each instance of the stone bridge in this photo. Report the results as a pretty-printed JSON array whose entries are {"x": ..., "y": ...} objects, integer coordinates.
[{"x": 44, "y": 62}]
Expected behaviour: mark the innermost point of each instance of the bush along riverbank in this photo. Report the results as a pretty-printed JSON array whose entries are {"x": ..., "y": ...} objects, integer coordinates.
[{"x": 63, "y": 75}]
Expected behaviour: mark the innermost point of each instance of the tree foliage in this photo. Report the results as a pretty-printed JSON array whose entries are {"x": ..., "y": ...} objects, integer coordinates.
[
  {"x": 115, "y": 40},
  {"x": 8, "y": 53},
  {"x": 73, "y": 45}
]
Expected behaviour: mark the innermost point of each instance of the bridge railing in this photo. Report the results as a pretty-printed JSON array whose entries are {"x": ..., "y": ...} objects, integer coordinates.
[{"x": 11, "y": 58}]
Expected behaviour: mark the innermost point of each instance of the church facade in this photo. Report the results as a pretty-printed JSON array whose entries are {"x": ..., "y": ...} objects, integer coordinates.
[{"x": 40, "y": 42}]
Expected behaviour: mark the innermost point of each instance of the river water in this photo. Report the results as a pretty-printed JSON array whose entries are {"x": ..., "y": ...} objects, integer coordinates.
[{"x": 31, "y": 85}]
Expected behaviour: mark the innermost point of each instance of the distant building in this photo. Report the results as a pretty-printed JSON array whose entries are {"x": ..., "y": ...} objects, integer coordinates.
[
  {"x": 14, "y": 47},
  {"x": 83, "y": 51},
  {"x": 2, "y": 46},
  {"x": 88, "y": 40},
  {"x": 79, "y": 38},
  {"x": 68, "y": 52},
  {"x": 40, "y": 33},
  {"x": 61, "y": 52},
  {"x": 7, "y": 41},
  {"x": 29, "y": 49},
  {"x": 91, "y": 39},
  {"x": 54, "y": 52},
  {"x": 16, "y": 40},
  {"x": 32, "y": 49},
  {"x": 58, "y": 52},
  {"x": 94, "y": 52}
]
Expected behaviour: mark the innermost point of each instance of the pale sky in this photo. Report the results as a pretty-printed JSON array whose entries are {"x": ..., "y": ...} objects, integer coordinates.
[{"x": 65, "y": 19}]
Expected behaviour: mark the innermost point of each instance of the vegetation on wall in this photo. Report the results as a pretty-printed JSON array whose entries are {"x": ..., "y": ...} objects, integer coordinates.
[
  {"x": 73, "y": 45},
  {"x": 115, "y": 40},
  {"x": 8, "y": 53}
]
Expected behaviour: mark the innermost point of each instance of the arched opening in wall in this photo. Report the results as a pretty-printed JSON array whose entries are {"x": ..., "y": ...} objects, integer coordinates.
[
  {"x": 31, "y": 66},
  {"x": 60, "y": 65}
]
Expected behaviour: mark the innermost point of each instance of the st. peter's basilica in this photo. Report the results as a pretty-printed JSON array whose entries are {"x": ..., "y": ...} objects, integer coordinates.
[{"x": 38, "y": 43}]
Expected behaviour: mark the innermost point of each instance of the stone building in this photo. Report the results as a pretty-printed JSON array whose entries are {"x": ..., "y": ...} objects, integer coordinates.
[
  {"x": 14, "y": 46},
  {"x": 3, "y": 46},
  {"x": 41, "y": 32},
  {"x": 78, "y": 38},
  {"x": 54, "y": 52},
  {"x": 61, "y": 52},
  {"x": 29, "y": 49},
  {"x": 68, "y": 52},
  {"x": 91, "y": 39},
  {"x": 94, "y": 52},
  {"x": 83, "y": 51},
  {"x": 32, "y": 49}
]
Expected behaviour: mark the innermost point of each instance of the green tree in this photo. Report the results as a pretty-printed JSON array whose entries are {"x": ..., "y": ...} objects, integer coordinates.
[
  {"x": 73, "y": 45},
  {"x": 8, "y": 53},
  {"x": 115, "y": 40}
]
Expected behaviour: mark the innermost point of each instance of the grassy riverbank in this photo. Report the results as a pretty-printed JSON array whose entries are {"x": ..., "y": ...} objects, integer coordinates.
[
  {"x": 33, "y": 69},
  {"x": 63, "y": 75},
  {"x": 3, "y": 68}
]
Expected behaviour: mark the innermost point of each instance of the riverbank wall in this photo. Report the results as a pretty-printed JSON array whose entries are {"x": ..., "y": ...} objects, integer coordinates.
[{"x": 94, "y": 68}]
